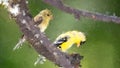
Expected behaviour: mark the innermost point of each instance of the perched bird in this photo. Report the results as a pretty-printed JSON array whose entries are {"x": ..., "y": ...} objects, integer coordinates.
[
  {"x": 42, "y": 21},
  {"x": 66, "y": 40}
]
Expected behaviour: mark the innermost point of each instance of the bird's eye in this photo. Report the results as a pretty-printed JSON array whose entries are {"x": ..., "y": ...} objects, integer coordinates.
[
  {"x": 59, "y": 46},
  {"x": 82, "y": 42},
  {"x": 48, "y": 14}
]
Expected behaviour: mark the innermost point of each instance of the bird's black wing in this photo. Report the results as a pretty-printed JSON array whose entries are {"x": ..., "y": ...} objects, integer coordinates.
[{"x": 61, "y": 40}]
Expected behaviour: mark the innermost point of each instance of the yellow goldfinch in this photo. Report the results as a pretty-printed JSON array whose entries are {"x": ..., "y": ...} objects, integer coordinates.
[
  {"x": 66, "y": 40},
  {"x": 42, "y": 21}
]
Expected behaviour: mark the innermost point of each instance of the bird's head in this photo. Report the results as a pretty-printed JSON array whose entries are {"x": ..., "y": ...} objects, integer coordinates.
[
  {"x": 46, "y": 14},
  {"x": 81, "y": 39}
]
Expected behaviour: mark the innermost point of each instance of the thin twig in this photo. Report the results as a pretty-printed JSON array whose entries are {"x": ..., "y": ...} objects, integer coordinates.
[{"x": 77, "y": 13}]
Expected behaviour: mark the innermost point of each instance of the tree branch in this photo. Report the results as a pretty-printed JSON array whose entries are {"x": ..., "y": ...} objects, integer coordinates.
[
  {"x": 19, "y": 10},
  {"x": 77, "y": 13}
]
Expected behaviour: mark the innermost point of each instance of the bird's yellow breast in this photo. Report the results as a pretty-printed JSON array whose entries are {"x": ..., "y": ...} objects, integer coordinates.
[
  {"x": 65, "y": 46},
  {"x": 44, "y": 25}
]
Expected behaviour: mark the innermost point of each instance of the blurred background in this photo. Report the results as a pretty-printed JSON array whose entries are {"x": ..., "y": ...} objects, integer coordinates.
[{"x": 102, "y": 49}]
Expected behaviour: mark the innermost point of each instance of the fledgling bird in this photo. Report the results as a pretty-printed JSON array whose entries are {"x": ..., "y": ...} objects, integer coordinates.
[
  {"x": 66, "y": 40},
  {"x": 42, "y": 21}
]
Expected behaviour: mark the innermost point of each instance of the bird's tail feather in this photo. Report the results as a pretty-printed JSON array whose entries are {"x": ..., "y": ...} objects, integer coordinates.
[{"x": 20, "y": 42}]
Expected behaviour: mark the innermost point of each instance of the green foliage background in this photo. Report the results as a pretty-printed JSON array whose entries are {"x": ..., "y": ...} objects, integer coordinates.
[{"x": 102, "y": 49}]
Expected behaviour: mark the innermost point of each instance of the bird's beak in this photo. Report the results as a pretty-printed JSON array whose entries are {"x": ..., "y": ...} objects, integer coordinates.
[
  {"x": 52, "y": 17},
  {"x": 78, "y": 44}
]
